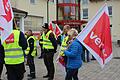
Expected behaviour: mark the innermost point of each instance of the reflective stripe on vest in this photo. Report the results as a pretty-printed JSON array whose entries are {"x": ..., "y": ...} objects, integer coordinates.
[
  {"x": 17, "y": 56},
  {"x": 13, "y": 52},
  {"x": 28, "y": 49},
  {"x": 64, "y": 45},
  {"x": 47, "y": 44},
  {"x": 14, "y": 49}
]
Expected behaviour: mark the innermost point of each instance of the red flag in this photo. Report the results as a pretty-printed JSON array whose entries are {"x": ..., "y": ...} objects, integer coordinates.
[
  {"x": 6, "y": 19},
  {"x": 96, "y": 36},
  {"x": 51, "y": 26},
  {"x": 61, "y": 61},
  {"x": 7, "y": 9},
  {"x": 57, "y": 30}
]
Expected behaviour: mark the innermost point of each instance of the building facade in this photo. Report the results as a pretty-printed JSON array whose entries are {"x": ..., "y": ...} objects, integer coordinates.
[
  {"x": 39, "y": 11},
  {"x": 68, "y": 13},
  {"x": 90, "y": 7}
]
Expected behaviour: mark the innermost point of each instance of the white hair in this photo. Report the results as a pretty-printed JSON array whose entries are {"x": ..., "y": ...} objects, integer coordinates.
[{"x": 73, "y": 32}]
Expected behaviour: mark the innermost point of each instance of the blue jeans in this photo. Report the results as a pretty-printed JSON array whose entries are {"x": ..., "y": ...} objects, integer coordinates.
[{"x": 71, "y": 73}]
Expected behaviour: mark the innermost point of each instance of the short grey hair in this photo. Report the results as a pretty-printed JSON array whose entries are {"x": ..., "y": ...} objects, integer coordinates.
[
  {"x": 67, "y": 26},
  {"x": 72, "y": 32}
]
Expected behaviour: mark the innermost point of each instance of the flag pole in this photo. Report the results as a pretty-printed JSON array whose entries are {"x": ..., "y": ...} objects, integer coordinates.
[{"x": 15, "y": 26}]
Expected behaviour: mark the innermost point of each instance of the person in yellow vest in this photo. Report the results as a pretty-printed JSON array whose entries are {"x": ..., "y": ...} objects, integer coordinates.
[
  {"x": 49, "y": 48},
  {"x": 64, "y": 45},
  {"x": 60, "y": 38},
  {"x": 64, "y": 42},
  {"x": 31, "y": 53},
  {"x": 14, "y": 56}
]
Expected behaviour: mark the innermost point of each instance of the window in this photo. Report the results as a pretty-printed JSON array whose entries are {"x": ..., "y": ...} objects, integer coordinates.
[
  {"x": 32, "y": 1},
  {"x": 68, "y": 12},
  {"x": 84, "y": 1},
  {"x": 85, "y": 13},
  {"x": 110, "y": 10}
]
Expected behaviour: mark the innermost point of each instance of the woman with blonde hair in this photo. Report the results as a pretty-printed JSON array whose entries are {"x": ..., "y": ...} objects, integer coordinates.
[
  {"x": 73, "y": 54},
  {"x": 72, "y": 34}
]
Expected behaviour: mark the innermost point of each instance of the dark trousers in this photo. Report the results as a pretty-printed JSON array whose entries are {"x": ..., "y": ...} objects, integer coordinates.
[
  {"x": 71, "y": 73},
  {"x": 1, "y": 69},
  {"x": 30, "y": 61},
  {"x": 15, "y": 72},
  {"x": 48, "y": 61}
]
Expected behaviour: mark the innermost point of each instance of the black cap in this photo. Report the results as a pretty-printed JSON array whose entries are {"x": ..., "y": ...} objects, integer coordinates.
[{"x": 46, "y": 26}]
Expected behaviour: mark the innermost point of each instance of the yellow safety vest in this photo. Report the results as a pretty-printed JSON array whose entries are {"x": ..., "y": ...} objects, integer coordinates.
[
  {"x": 47, "y": 44},
  {"x": 28, "y": 48},
  {"x": 13, "y": 52},
  {"x": 64, "y": 45}
]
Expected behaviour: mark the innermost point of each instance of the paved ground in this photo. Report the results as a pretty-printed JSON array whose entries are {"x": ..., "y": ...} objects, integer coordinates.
[{"x": 89, "y": 71}]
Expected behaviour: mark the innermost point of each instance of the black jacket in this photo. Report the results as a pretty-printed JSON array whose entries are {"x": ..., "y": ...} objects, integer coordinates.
[
  {"x": 22, "y": 43},
  {"x": 1, "y": 53},
  {"x": 31, "y": 45}
]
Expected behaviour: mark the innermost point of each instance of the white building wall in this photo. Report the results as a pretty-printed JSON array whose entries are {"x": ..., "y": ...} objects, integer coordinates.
[
  {"x": 93, "y": 7},
  {"x": 36, "y": 10}
]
